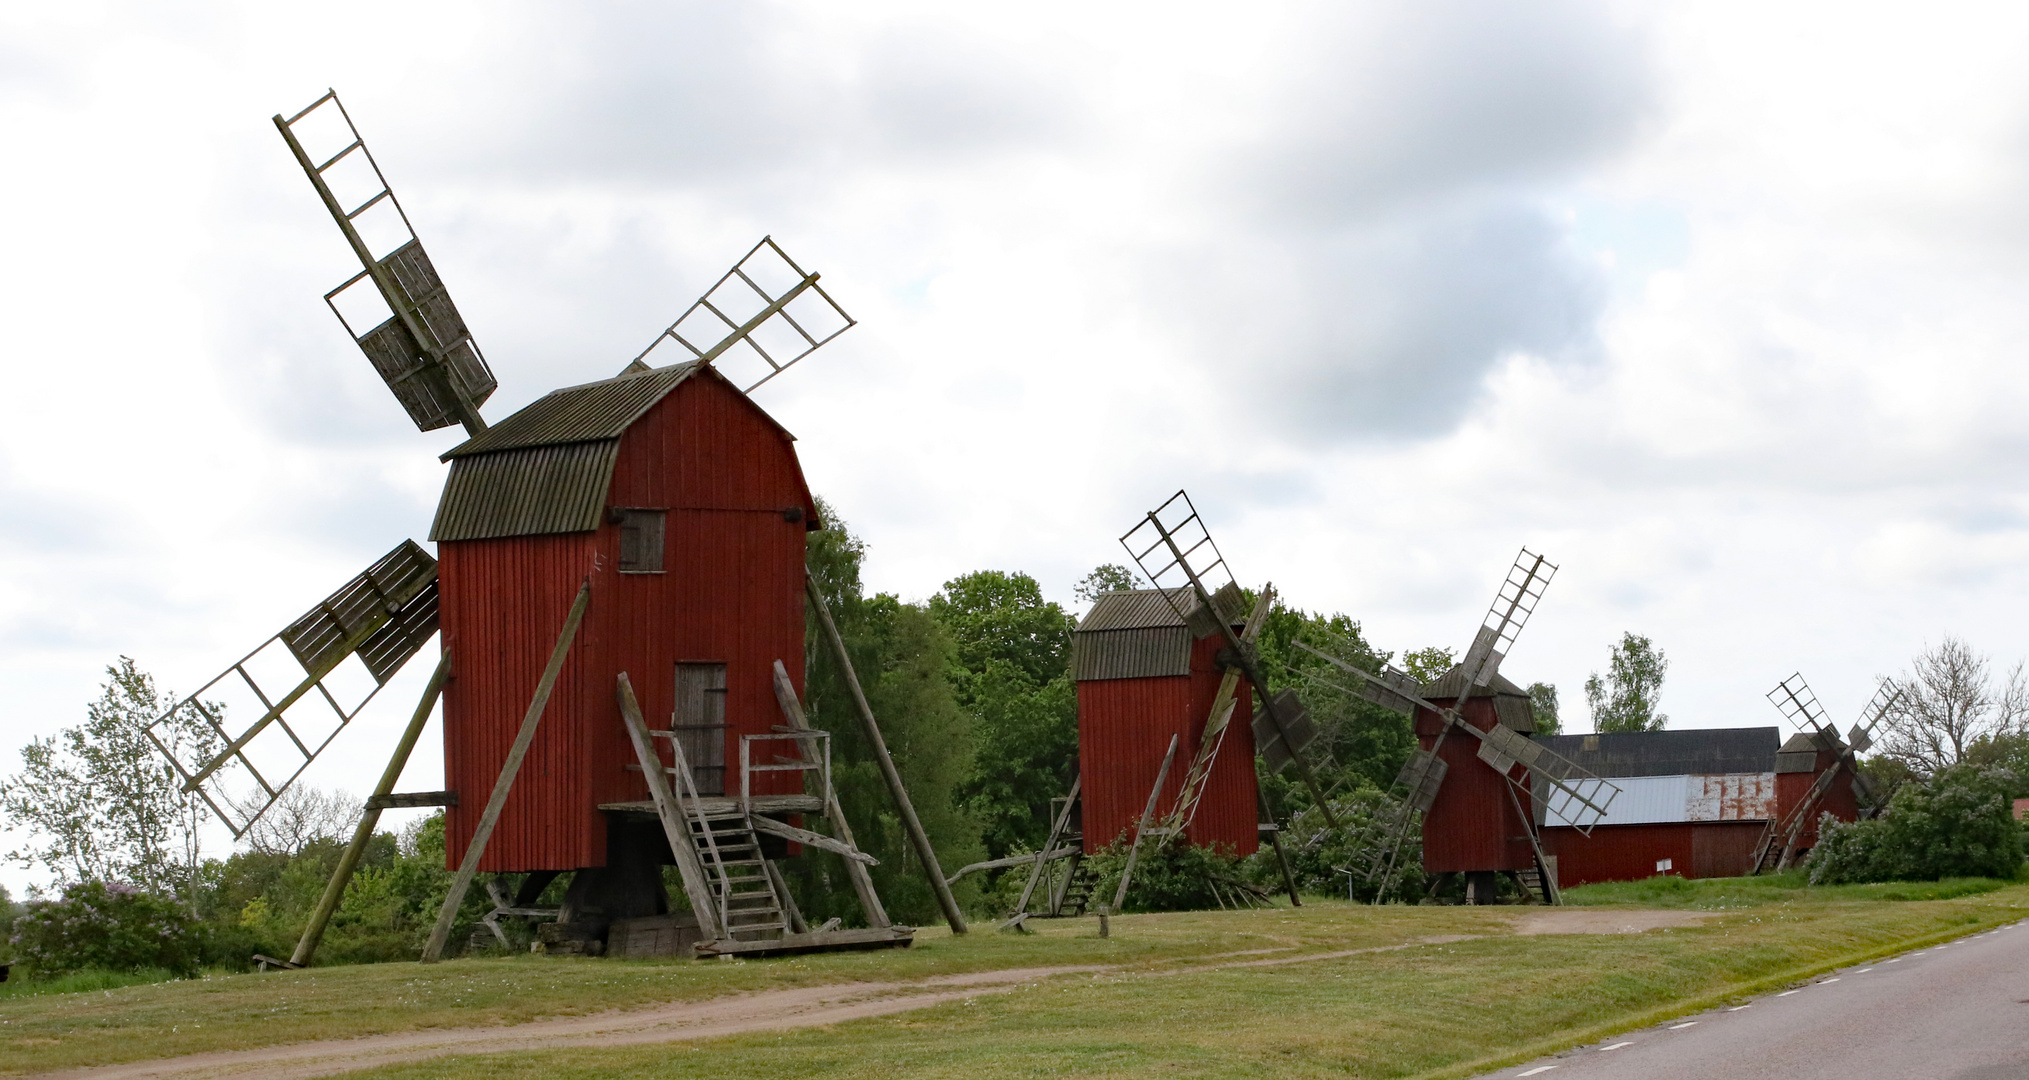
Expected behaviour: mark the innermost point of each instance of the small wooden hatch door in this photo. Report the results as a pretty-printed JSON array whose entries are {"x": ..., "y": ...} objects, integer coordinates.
[{"x": 700, "y": 723}]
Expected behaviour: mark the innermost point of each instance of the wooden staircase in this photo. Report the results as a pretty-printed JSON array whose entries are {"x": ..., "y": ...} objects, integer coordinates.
[{"x": 729, "y": 852}]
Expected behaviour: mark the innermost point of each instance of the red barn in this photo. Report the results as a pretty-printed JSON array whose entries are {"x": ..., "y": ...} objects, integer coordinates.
[
  {"x": 1474, "y": 827},
  {"x": 1144, "y": 674},
  {"x": 1694, "y": 803},
  {"x": 682, "y": 503}
]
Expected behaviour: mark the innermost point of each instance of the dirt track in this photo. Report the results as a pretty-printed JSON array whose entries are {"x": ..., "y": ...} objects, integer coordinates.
[{"x": 773, "y": 1010}]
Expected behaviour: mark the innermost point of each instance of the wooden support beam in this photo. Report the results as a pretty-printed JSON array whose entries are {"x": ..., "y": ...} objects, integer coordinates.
[
  {"x": 675, "y": 826},
  {"x": 862, "y": 882},
  {"x": 462, "y": 881},
  {"x": 1021, "y": 910},
  {"x": 413, "y": 799},
  {"x": 918, "y": 838},
  {"x": 1012, "y": 860},
  {"x": 817, "y": 840},
  {"x": 1147, "y": 815},
  {"x": 369, "y": 817}
]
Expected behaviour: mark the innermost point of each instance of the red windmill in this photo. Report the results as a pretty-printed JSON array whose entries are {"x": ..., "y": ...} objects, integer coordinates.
[{"x": 623, "y": 549}]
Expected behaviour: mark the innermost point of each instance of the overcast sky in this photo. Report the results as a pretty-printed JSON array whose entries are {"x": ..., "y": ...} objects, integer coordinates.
[{"x": 1719, "y": 306}]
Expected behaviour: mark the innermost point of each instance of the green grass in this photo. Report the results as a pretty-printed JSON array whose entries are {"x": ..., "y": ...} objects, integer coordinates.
[
  {"x": 1723, "y": 894},
  {"x": 1447, "y": 1009},
  {"x": 83, "y": 982}
]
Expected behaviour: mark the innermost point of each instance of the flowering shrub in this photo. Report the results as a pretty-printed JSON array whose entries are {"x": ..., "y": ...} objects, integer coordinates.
[
  {"x": 1958, "y": 823},
  {"x": 113, "y": 927}
]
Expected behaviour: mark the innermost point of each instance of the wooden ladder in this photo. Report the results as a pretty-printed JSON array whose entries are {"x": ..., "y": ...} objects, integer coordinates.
[{"x": 743, "y": 890}]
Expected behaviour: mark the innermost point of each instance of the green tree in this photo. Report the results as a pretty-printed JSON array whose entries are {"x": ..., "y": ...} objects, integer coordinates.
[
  {"x": 1012, "y": 677},
  {"x": 1959, "y": 823},
  {"x": 1362, "y": 743},
  {"x": 100, "y": 803},
  {"x": 1626, "y": 699},
  {"x": 1111, "y": 577},
  {"x": 904, "y": 659},
  {"x": 1428, "y": 665},
  {"x": 1543, "y": 705}
]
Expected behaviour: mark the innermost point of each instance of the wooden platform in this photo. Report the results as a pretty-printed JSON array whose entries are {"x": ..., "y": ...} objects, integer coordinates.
[
  {"x": 885, "y": 937},
  {"x": 726, "y": 804}
]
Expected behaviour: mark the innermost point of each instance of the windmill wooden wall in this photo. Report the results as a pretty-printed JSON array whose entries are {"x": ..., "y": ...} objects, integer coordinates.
[
  {"x": 1141, "y": 678},
  {"x": 525, "y": 521},
  {"x": 1473, "y": 825},
  {"x": 1797, "y": 767}
]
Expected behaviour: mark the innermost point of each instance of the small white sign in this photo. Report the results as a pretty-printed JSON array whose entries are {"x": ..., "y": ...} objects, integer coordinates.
[{"x": 1664, "y": 865}]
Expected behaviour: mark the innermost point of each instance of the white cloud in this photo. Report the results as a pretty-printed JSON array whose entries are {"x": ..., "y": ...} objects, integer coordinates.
[{"x": 1716, "y": 305}]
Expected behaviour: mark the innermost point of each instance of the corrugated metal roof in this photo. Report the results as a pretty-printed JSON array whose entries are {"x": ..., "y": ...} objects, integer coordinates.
[
  {"x": 1672, "y": 753},
  {"x": 1137, "y": 609},
  {"x": 1137, "y": 653},
  {"x": 536, "y": 489},
  {"x": 587, "y": 413},
  {"x": 1652, "y": 800}
]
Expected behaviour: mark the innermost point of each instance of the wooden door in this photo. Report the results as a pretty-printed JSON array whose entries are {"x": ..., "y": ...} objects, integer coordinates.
[{"x": 700, "y": 723}]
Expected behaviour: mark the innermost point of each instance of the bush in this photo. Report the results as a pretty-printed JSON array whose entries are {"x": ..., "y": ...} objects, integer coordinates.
[
  {"x": 1168, "y": 877},
  {"x": 1317, "y": 852},
  {"x": 1959, "y": 823},
  {"x": 112, "y": 927}
]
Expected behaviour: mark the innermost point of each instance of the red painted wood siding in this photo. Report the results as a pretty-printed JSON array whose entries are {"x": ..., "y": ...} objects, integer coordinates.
[
  {"x": 1792, "y": 788},
  {"x": 732, "y": 592},
  {"x": 1124, "y": 725},
  {"x": 1473, "y": 825},
  {"x": 1697, "y": 849}
]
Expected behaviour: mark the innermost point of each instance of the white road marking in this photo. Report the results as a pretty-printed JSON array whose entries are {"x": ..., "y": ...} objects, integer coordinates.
[
  {"x": 1682, "y": 1026},
  {"x": 1896, "y": 960},
  {"x": 1863, "y": 971},
  {"x": 1615, "y": 1046},
  {"x": 1787, "y": 993},
  {"x": 1834, "y": 978},
  {"x": 1537, "y": 1069},
  {"x": 1737, "y": 1008}
]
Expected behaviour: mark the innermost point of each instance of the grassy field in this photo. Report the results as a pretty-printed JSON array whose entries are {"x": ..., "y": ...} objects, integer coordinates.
[{"x": 1448, "y": 1009}]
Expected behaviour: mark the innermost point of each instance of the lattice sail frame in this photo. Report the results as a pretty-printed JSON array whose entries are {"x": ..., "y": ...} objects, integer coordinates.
[
  {"x": 1513, "y": 603},
  {"x": 1886, "y": 696},
  {"x": 422, "y": 348},
  {"x": 761, "y": 292},
  {"x": 1798, "y": 705},
  {"x": 303, "y": 689},
  {"x": 1170, "y": 545}
]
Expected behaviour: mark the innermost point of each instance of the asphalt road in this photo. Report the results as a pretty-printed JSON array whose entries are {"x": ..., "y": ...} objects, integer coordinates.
[{"x": 1958, "y": 1011}]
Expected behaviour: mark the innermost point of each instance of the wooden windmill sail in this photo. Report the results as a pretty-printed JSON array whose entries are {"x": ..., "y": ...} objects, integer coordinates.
[
  {"x": 312, "y": 678},
  {"x": 1532, "y": 774},
  {"x": 1780, "y": 843}
]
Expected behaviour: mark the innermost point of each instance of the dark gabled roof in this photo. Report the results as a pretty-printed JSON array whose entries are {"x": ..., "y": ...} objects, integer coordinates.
[
  {"x": 1448, "y": 686},
  {"x": 1138, "y": 633},
  {"x": 547, "y": 468},
  {"x": 1136, "y": 609},
  {"x": 1692, "y": 751},
  {"x": 586, "y": 413}
]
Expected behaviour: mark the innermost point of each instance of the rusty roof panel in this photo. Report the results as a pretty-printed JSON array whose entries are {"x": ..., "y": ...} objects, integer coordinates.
[
  {"x": 587, "y": 413},
  {"x": 528, "y": 491},
  {"x": 1140, "y": 653}
]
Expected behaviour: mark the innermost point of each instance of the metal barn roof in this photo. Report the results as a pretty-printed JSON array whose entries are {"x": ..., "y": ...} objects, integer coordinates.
[
  {"x": 1694, "y": 751},
  {"x": 546, "y": 469},
  {"x": 1138, "y": 634}
]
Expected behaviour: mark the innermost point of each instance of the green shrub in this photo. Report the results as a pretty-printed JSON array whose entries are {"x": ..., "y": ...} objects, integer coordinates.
[
  {"x": 1168, "y": 877},
  {"x": 1959, "y": 823},
  {"x": 1318, "y": 853},
  {"x": 114, "y": 927}
]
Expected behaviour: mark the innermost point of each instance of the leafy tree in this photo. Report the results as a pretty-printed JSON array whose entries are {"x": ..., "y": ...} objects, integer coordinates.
[
  {"x": 1012, "y": 677},
  {"x": 1950, "y": 701},
  {"x": 113, "y": 927},
  {"x": 1959, "y": 823},
  {"x": 1111, "y": 577},
  {"x": 1626, "y": 699},
  {"x": 904, "y": 659},
  {"x": 2009, "y": 751},
  {"x": 1362, "y": 743},
  {"x": 1543, "y": 705},
  {"x": 98, "y": 800},
  {"x": 1428, "y": 665}
]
